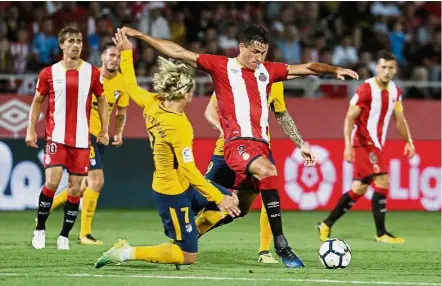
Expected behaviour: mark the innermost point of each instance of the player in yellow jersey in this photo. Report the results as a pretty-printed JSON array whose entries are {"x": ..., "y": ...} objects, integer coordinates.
[
  {"x": 218, "y": 171},
  {"x": 177, "y": 183},
  {"x": 116, "y": 95}
]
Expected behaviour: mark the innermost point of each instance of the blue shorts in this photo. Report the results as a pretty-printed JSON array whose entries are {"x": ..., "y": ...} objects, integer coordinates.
[
  {"x": 219, "y": 172},
  {"x": 178, "y": 212},
  {"x": 96, "y": 155}
]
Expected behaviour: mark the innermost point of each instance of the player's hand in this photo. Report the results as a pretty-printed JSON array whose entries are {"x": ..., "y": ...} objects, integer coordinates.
[
  {"x": 409, "y": 150},
  {"x": 118, "y": 140},
  {"x": 31, "y": 138},
  {"x": 349, "y": 154},
  {"x": 121, "y": 41},
  {"x": 307, "y": 154},
  {"x": 341, "y": 73},
  {"x": 103, "y": 138},
  {"x": 131, "y": 32},
  {"x": 230, "y": 204}
]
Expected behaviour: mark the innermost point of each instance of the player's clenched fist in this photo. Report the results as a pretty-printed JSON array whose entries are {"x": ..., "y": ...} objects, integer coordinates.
[
  {"x": 103, "y": 138},
  {"x": 230, "y": 205},
  {"x": 31, "y": 138},
  {"x": 349, "y": 154}
]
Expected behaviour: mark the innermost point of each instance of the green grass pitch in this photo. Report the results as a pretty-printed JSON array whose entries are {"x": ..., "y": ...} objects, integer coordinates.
[{"x": 227, "y": 255}]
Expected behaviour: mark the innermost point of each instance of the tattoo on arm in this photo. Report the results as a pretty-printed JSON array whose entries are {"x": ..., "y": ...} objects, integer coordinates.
[
  {"x": 120, "y": 120},
  {"x": 288, "y": 126}
]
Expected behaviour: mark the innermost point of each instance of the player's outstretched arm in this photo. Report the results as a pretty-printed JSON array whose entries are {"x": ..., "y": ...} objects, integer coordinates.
[
  {"x": 349, "y": 122},
  {"x": 315, "y": 68},
  {"x": 211, "y": 115},
  {"x": 140, "y": 96},
  {"x": 288, "y": 125},
  {"x": 34, "y": 113},
  {"x": 404, "y": 130},
  {"x": 165, "y": 47}
]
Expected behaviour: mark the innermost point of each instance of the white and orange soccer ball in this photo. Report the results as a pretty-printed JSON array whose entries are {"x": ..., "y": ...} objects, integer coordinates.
[{"x": 335, "y": 253}]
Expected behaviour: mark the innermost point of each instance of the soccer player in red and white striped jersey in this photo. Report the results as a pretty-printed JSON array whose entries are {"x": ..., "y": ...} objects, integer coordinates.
[
  {"x": 365, "y": 131},
  {"x": 242, "y": 85},
  {"x": 68, "y": 85}
]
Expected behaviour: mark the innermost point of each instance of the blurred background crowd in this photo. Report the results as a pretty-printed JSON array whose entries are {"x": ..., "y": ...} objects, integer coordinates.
[{"x": 348, "y": 34}]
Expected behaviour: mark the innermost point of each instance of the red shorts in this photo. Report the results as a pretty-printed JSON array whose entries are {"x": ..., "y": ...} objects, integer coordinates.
[
  {"x": 369, "y": 161},
  {"x": 75, "y": 160},
  {"x": 240, "y": 154}
]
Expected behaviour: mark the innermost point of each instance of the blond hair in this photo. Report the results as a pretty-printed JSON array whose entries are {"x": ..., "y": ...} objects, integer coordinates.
[{"x": 174, "y": 80}]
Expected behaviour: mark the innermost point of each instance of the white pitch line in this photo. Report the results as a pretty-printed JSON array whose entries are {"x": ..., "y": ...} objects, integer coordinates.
[{"x": 225, "y": 278}]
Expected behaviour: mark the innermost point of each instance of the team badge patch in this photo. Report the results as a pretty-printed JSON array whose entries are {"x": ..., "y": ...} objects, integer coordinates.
[
  {"x": 93, "y": 162},
  {"x": 373, "y": 158},
  {"x": 187, "y": 155},
  {"x": 47, "y": 159},
  {"x": 262, "y": 77},
  {"x": 242, "y": 152},
  {"x": 189, "y": 228},
  {"x": 376, "y": 168}
]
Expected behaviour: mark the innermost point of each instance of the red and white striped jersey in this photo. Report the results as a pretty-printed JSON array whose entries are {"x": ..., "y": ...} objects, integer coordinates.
[
  {"x": 377, "y": 106},
  {"x": 242, "y": 94},
  {"x": 70, "y": 96}
]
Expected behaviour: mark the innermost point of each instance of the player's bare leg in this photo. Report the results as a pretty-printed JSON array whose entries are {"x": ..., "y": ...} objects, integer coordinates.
[
  {"x": 70, "y": 210},
  {"x": 379, "y": 209},
  {"x": 265, "y": 172},
  {"x": 344, "y": 204},
  {"x": 91, "y": 188},
  {"x": 52, "y": 180}
]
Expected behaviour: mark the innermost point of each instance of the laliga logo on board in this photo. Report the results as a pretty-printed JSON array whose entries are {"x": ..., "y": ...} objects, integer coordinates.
[{"x": 304, "y": 185}]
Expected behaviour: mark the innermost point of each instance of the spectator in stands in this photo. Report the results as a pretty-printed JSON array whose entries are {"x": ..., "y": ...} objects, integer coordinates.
[
  {"x": 45, "y": 45},
  {"x": 290, "y": 45},
  {"x": 228, "y": 42},
  {"x": 177, "y": 27},
  {"x": 345, "y": 55},
  {"x": 20, "y": 52},
  {"x": 5, "y": 56},
  {"x": 397, "y": 40},
  {"x": 366, "y": 60},
  {"x": 419, "y": 74}
]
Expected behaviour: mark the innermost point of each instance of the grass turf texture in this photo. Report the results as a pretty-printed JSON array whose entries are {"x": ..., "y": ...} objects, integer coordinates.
[{"x": 229, "y": 252}]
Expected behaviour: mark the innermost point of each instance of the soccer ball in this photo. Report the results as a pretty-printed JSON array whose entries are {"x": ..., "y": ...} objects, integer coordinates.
[{"x": 335, "y": 253}]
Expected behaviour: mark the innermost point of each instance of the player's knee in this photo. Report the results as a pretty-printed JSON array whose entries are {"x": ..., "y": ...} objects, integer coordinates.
[
  {"x": 52, "y": 182},
  {"x": 96, "y": 183},
  {"x": 190, "y": 258},
  {"x": 382, "y": 181},
  {"x": 359, "y": 188}
]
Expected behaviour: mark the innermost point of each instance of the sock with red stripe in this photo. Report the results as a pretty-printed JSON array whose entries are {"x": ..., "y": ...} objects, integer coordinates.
[
  {"x": 70, "y": 214},
  {"x": 379, "y": 209},
  {"x": 44, "y": 207},
  {"x": 345, "y": 203}
]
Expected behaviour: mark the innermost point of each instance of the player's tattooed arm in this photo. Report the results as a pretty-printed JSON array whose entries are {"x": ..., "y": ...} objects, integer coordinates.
[{"x": 289, "y": 127}]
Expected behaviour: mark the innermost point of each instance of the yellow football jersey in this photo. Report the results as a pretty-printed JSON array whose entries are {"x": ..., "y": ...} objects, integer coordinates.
[
  {"x": 275, "y": 102},
  {"x": 116, "y": 93},
  {"x": 171, "y": 137}
]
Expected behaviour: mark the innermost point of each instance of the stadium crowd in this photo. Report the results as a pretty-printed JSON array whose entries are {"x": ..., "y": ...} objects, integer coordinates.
[{"x": 348, "y": 34}]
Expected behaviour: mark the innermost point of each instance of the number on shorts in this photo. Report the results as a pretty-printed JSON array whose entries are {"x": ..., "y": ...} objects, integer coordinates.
[
  {"x": 176, "y": 222},
  {"x": 91, "y": 152}
]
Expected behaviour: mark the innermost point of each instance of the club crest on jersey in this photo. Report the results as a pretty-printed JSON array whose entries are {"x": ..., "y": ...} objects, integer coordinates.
[
  {"x": 93, "y": 162},
  {"x": 189, "y": 228},
  {"x": 242, "y": 152},
  {"x": 373, "y": 158},
  {"x": 262, "y": 77},
  {"x": 376, "y": 168},
  {"x": 117, "y": 94}
]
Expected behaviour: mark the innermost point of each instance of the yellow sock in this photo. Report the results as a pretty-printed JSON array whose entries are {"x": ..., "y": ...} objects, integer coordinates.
[
  {"x": 265, "y": 232},
  {"x": 90, "y": 199},
  {"x": 207, "y": 220},
  {"x": 60, "y": 199},
  {"x": 166, "y": 253}
]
